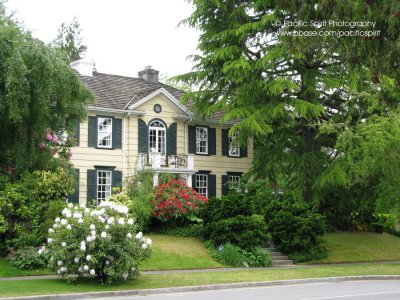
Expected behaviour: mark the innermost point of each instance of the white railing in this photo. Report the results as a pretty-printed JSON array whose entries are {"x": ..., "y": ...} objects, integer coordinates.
[{"x": 158, "y": 160}]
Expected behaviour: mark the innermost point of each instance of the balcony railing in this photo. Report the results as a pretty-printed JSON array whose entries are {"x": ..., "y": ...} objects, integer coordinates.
[{"x": 158, "y": 160}]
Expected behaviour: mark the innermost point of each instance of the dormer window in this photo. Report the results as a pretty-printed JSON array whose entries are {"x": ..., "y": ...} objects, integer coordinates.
[{"x": 104, "y": 132}]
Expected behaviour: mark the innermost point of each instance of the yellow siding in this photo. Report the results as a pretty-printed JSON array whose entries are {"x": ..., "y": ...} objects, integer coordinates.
[{"x": 125, "y": 159}]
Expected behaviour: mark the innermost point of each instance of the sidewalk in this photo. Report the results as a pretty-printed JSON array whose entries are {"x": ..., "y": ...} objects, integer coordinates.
[{"x": 38, "y": 277}]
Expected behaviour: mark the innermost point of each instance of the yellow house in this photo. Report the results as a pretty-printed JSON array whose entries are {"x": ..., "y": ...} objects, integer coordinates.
[{"x": 140, "y": 123}]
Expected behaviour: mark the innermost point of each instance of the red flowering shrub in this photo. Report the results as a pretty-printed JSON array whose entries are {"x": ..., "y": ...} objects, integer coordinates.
[{"x": 175, "y": 200}]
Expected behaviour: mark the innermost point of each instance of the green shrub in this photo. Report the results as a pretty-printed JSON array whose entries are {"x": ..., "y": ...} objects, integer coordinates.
[
  {"x": 27, "y": 258},
  {"x": 256, "y": 257},
  {"x": 294, "y": 225},
  {"x": 229, "y": 206},
  {"x": 190, "y": 230},
  {"x": 102, "y": 243},
  {"x": 244, "y": 231},
  {"x": 312, "y": 254},
  {"x": 229, "y": 254},
  {"x": 384, "y": 222}
]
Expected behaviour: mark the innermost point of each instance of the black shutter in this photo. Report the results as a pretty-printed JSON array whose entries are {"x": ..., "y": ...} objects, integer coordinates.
[
  {"x": 74, "y": 197},
  {"x": 117, "y": 179},
  {"x": 194, "y": 181},
  {"x": 225, "y": 184},
  {"x": 212, "y": 186},
  {"x": 212, "y": 147},
  {"x": 91, "y": 187},
  {"x": 243, "y": 151},
  {"x": 76, "y": 133},
  {"x": 92, "y": 132},
  {"x": 192, "y": 139},
  {"x": 171, "y": 139},
  {"x": 225, "y": 142},
  {"x": 117, "y": 134},
  {"x": 143, "y": 140}
]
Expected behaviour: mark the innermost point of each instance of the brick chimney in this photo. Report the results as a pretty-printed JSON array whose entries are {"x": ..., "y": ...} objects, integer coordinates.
[{"x": 149, "y": 75}]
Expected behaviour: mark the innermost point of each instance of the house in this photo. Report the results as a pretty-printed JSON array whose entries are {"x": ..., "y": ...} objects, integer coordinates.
[{"x": 140, "y": 123}]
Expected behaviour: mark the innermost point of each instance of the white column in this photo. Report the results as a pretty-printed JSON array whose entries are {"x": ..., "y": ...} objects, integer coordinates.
[
  {"x": 190, "y": 161},
  {"x": 155, "y": 179},
  {"x": 189, "y": 180}
]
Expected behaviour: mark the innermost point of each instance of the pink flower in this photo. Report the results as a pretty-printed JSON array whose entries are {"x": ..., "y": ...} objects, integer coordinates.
[
  {"x": 69, "y": 155},
  {"x": 55, "y": 140},
  {"x": 49, "y": 137},
  {"x": 42, "y": 147}
]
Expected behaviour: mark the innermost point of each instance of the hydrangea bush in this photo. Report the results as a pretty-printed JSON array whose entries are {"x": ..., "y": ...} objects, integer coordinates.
[
  {"x": 102, "y": 243},
  {"x": 175, "y": 200}
]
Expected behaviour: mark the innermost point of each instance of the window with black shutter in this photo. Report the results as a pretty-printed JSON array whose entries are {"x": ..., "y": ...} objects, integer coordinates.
[
  {"x": 100, "y": 182},
  {"x": 104, "y": 132}
]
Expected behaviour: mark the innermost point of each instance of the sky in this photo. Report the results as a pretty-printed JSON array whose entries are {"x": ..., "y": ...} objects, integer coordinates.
[{"x": 122, "y": 36}]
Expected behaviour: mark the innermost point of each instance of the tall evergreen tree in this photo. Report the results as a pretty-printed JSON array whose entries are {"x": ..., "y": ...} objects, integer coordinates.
[
  {"x": 69, "y": 41},
  {"x": 293, "y": 93}
]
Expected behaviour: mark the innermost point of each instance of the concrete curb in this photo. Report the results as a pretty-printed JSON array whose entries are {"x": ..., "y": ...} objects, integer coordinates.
[{"x": 144, "y": 292}]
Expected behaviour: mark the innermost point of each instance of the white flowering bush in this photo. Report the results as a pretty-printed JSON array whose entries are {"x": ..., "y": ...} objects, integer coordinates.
[{"x": 102, "y": 243}]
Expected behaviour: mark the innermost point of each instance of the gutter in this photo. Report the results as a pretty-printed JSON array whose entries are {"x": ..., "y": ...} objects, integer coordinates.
[{"x": 113, "y": 110}]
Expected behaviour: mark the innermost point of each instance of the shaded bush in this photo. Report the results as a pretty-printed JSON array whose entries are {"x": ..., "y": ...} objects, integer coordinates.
[
  {"x": 294, "y": 225},
  {"x": 27, "y": 258},
  {"x": 243, "y": 231}
]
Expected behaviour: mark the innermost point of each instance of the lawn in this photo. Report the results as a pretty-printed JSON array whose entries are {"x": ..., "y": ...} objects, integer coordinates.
[
  {"x": 38, "y": 287},
  {"x": 6, "y": 270},
  {"x": 169, "y": 252},
  {"x": 360, "y": 247}
]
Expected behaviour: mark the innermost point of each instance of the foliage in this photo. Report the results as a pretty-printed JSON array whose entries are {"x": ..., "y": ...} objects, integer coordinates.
[
  {"x": 38, "y": 91},
  {"x": 385, "y": 222},
  {"x": 244, "y": 231},
  {"x": 100, "y": 243},
  {"x": 293, "y": 93},
  {"x": 232, "y": 255},
  {"x": 140, "y": 192},
  {"x": 27, "y": 259},
  {"x": 175, "y": 201},
  {"x": 309, "y": 255},
  {"x": 189, "y": 230},
  {"x": 366, "y": 170},
  {"x": 233, "y": 218},
  {"x": 294, "y": 225},
  {"x": 69, "y": 42}
]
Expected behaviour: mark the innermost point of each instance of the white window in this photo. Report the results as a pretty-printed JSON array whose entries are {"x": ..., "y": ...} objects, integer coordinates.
[
  {"x": 201, "y": 184},
  {"x": 234, "y": 149},
  {"x": 157, "y": 137},
  {"x": 103, "y": 185},
  {"x": 202, "y": 140},
  {"x": 234, "y": 182},
  {"x": 104, "y": 132}
]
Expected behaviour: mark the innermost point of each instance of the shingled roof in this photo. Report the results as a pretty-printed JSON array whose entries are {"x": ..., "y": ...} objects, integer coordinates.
[{"x": 120, "y": 92}]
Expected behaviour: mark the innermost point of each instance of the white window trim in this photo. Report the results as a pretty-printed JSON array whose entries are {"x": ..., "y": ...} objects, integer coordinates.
[
  {"x": 205, "y": 179},
  {"x": 234, "y": 179},
  {"x": 232, "y": 146},
  {"x": 98, "y": 131},
  {"x": 206, "y": 148},
  {"x": 108, "y": 188},
  {"x": 164, "y": 128}
]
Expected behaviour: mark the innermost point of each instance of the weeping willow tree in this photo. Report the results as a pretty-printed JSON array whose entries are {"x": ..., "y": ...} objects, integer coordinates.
[
  {"x": 295, "y": 94},
  {"x": 38, "y": 91}
]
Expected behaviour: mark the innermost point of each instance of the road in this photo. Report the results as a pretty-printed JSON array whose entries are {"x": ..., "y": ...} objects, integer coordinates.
[{"x": 353, "y": 290}]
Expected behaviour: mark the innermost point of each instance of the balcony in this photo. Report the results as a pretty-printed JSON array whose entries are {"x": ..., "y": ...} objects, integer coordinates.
[{"x": 179, "y": 163}]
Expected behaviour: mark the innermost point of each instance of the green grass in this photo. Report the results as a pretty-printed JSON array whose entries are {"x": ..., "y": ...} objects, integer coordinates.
[
  {"x": 6, "y": 270},
  {"x": 171, "y": 252},
  {"x": 40, "y": 287},
  {"x": 360, "y": 247}
]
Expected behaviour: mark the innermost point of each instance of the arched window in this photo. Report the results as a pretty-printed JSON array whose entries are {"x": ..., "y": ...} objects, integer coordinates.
[{"x": 157, "y": 137}]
